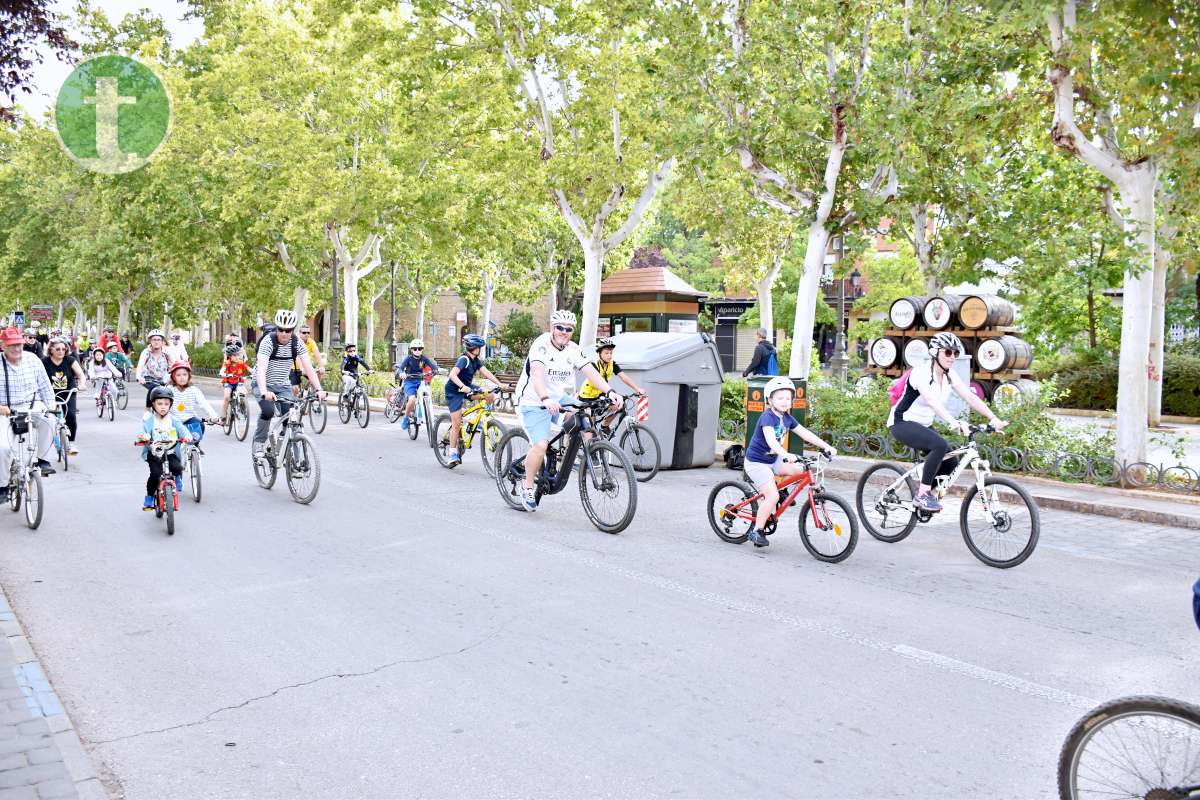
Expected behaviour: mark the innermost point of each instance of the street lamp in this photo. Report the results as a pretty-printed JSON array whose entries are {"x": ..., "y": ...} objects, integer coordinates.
[{"x": 840, "y": 361}]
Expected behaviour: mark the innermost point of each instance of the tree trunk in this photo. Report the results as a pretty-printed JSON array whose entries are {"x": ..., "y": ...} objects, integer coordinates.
[
  {"x": 99, "y": 318},
  {"x": 489, "y": 292},
  {"x": 593, "y": 274},
  {"x": 325, "y": 340},
  {"x": 300, "y": 303},
  {"x": 422, "y": 301},
  {"x": 1154, "y": 381},
  {"x": 766, "y": 309},
  {"x": 1091, "y": 301},
  {"x": 80, "y": 320},
  {"x": 807, "y": 296},
  {"x": 1137, "y": 194},
  {"x": 59, "y": 320}
]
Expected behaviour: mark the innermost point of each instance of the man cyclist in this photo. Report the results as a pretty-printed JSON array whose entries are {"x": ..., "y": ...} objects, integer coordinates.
[
  {"x": 409, "y": 374},
  {"x": 23, "y": 377},
  {"x": 277, "y": 351},
  {"x": 924, "y": 397},
  {"x": 109, "y": 336},
  {"x": 153, "y": 363},
  {"x": 547, "y": 382},
  {"x": 314, "y": 355}
]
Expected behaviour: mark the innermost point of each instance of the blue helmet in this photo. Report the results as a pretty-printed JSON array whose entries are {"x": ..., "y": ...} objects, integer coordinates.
[{"x": 473, "y": 340}]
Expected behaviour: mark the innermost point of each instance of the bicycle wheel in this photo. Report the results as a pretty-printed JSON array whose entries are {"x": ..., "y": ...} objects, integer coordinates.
[
  {"x": 607, "y": 486},
  {"x": 241, "y": 422},
  {"x": 64, "y": 438},
  {"x": 392, "y": 412},
  {"x": 493, "y": 431},
  {"x": 441, "y": 438},
  {"x": 731, "y": 525},
  {"x": 14, "y": 493},
  {"x": 1132, "y": 747},
  {"x": 879, "y": 506},
  {"x": 32, "y": 490},
  {"x": 194, "y": 476},
  {"x": 122, "y": 399},
  {"x": 303, "y": 470},
  {"x": 227, "y": 420},
  {"x": 344, "y": 408},
  {"x": 640, "y": 446},
  {"x": 112, "y": 407},
  {"x": 831, "y": 534},
  {"x": 509, "y": 466},
  {"x": 168, "y": 501},
  {"x": 1008, "y": 534},
  {"x": 266, "y": 470},
  {"x": 362, "y": 409},
  {"x": 100, "y": 408},
  {"x": 414, "y": 424},
  {"x": 318, "y": 416}
]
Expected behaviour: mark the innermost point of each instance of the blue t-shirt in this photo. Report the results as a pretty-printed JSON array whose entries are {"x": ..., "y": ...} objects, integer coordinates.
[
  {"x": 467, "y": 367},
  {"x": 758, "y": 450},
  {"x": 411, "y": 365}
]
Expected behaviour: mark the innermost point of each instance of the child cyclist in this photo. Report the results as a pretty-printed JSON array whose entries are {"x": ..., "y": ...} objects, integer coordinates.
[
  {"x": 102, "y": 372},
  {"x": 350, "y": 364},
  {"x": 119, "y": 361},
  {"x": 189, "y": 401},
  {"x": 459, "y": 388},
  {"x": 608, "y": 370},
  {"x": 160, "y": 425},
  {"x": 234, "y": 370},
  {"x": 409, "y": 374},
  {"x": 766, "y": 456}
]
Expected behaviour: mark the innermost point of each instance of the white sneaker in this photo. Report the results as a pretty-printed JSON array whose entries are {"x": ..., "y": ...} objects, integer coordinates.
[
  {"x": 528, "y": 499},
  {"x": 72, "y": 450}
]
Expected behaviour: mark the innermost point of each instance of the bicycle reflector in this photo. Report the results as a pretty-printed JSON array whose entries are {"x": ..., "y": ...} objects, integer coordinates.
[{"x": 643, "y": 409}]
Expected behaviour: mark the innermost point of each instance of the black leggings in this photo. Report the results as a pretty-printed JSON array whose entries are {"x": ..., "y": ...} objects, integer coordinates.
[
  {"x": 70, "y": 415},
  {"x": 928, "y": 442},
  {"x": 156, "y": 467}
]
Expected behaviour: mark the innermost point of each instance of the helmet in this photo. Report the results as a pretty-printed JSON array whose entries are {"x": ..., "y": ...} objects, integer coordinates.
[
  {"x": 161, "y": 393},
  {"x": 268, "y": 327},
  {"x": 232, "y": 349},
  {"x": 29, "y": 332},
  {"x": 35, "y": 324},
  {"x": 99, "y": 350},
  {"x": 473, "y": 340},
  {"x": 156, "y": 332},
  {"x": 285, "y": 318},
  {"x": 603, "y": 342},
  {"x": 181, "y": 365},
  {"x": 777, "y": 383},
  {"x": 562, "y": 317},
  {"x": 112, "y": 345},
  {"x": 416, "y": 344},
  {"x": 109, "y": 328},
  {"x": 236, "y": 342},
  {"x": 944, "y": 341},
  {"x": 175, "y": 336}
]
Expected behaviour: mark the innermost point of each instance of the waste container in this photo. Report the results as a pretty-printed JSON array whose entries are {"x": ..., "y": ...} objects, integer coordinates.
[
  {"x": 755, "y": 404},
  {"x": 681, "y": 373}
]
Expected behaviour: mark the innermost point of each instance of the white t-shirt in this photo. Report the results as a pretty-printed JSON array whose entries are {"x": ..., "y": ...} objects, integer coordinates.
[
  {"x": 561, "y": 366},
  {"x": 912, "y": 406}
]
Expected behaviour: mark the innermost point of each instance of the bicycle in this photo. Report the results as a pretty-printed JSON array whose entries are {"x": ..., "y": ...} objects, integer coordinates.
[
  {"x": 733, "y": 507},
  {"x": 166, "y": 499},
  {"x": 237, "y": 416},
  {"x": 480, "y": 419},
  {"x": 314, "y": 409},
  {"x": 1133, "y": 747},
  {"x": 286, "y": 437},
  {"x": 62, "y": 433},
  {"x": 886, "y": 493},
  {"x": 397, "y": 402},
  {"x": 104, "y": 401},
  {"x": 24, "y": 476},
  {"x": 604, "y": 471},
  {"x": 355, "y": 402},
  {"x": 637, "y": 441},
  {"x": 192, "y": 463}
]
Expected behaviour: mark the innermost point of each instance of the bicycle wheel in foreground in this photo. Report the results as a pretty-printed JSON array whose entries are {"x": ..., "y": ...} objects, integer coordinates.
[
  {"x": 194, "y": 476},
  {"x": 441, "y": 439},
  {"x": 227, "y": 420},
  {"x": 122, "y": 399},
  {"x": 1001, "y": 524},
  {"x": 607, "y": 486},
  {"x": 641, "y": 447},
  {"x": 112, "y": 407},
  {"x": 1133, "y": 747},
  {"x": 303, "y": 470},
  {"x": 831, "y": 533},
  {"x": 879, "y": 501},
  {"x": 345, "y": 408},
  {"x": 362, "y": 409},
  {"x": 725, "y": 521},
  {"x": 168, "y": 501},
  {"x": 509, "y": 468},
  {"x": 33, "y": 500},
  {"x": 241, "y": 422}
]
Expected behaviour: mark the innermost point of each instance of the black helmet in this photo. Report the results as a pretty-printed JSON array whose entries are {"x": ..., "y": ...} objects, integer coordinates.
[{"x": 161, "y": 393}]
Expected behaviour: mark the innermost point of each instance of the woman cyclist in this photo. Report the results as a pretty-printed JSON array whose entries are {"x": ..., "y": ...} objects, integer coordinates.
[
  {"x": 153, "y": 363},
  {"x": 924, "y": 398}
]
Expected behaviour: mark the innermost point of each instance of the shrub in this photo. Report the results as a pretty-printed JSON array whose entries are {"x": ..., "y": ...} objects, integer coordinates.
[
  {"x": 207, "y": 356},
  {"x": 519, "y": 331},
  {"x": 1090, "y": 379},
  {"x": 1181, "y": 385},
  {"x": 733, "y": 397}
]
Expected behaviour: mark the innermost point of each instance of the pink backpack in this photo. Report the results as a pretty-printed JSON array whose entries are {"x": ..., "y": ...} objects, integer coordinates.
[{"x": 896, "y": 390}]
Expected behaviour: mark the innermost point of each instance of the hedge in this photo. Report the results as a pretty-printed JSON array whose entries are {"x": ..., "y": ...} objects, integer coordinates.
[{"x": 1092, "y": 384}]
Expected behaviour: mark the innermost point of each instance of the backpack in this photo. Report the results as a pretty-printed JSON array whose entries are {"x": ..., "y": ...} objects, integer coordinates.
[
  {"x": 896, "y": 390},
  {"x": 735, "y": 456},
  {"x": 772, "y": 367}
]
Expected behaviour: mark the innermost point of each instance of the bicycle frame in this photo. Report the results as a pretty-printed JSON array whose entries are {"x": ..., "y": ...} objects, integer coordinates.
[
  {"x": 970, "y": 459},
  {"x": 474, "y": 419},
  {"x": 551, "y": 479},
  {"x": 809, "y": 479}
]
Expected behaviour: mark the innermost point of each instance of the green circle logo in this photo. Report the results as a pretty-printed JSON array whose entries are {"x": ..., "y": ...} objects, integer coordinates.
[{"x": 112, "y": 114}]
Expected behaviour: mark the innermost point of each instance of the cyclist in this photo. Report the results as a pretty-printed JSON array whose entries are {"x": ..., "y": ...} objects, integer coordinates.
[
  {"x": 119, "y": 361},
  {"x": 189, "y": 401},
  {"x": 153, "y": 363},
  {"x": 233, "y": 371},
  {"x": 175, "y": 350},
  {"x": 160, "y": 425},
  {"x": 102, "y": 372},
  {"x": 314, "y": 355},
  {"x": 410, "y": 373},
  {"x": 23, "y": 376},
  {"x": 31, "y": 343},
  {"x": 350, "y": 364},
  {"x": 923, "y": 397},
  {"x": 109, "y": 336},
  {"x": 277, "y": 351},
  {"x": 547, "y": 381},
  {"x": 459, "y": 388},
  {"x": 65, "y": 374},
  {"x": 608, "y": 369},
  {"x": 767, "y": 457}
]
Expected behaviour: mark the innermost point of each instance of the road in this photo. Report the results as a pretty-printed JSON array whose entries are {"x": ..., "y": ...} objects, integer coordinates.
[{"x": 409, "y": 635}]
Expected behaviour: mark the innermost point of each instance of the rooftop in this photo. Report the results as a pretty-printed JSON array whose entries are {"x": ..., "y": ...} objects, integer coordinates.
[{"x": 647, "y": 272}]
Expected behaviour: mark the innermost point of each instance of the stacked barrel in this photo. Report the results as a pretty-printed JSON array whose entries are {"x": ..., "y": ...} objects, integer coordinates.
[{"x": 1000, "y": 358}]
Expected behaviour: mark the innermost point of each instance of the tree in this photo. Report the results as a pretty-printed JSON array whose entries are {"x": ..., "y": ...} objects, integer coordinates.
[
  {"x": 23, "y": 25},
  {"x": 519, "y": 331}
]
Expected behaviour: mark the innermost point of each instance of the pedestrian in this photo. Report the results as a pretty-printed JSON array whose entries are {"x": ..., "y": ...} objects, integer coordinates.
[{"x": 765, "y": 360}]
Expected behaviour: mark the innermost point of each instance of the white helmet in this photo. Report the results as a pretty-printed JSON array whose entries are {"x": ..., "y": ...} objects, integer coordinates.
[
  {"x": 944, "y": 341},
  {"x": 777, "y": 383},
  {"x": 156, "y": 332},
  {"x": 416, "y": 344},
  {"x": 285, "y": 318},
  {"x": 562, "y": 317}
]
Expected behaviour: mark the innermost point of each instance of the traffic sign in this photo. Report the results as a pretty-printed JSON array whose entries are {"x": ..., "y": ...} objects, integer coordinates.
[{"x": 18, "y": 318}]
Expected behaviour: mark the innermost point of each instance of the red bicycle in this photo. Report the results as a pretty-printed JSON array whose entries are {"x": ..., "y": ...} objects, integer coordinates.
[
  {"x": 166, "y": 499},
  {"x": 828, "y": 527}
]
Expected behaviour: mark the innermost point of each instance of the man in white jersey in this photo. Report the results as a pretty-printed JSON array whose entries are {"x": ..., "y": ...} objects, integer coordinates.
[{"x": 546, "y": 383}]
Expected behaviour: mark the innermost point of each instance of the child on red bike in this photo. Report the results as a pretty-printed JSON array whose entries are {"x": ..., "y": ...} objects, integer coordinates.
[
  {"x": 160, "y": 425},
  {"x": 767, "y": 457}
]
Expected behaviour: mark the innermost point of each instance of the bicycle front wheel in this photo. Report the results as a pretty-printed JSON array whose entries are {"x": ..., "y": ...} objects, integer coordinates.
[
  {"x": 241, "y": 422},
  {"x": 362, "y": 409},
  {"x": 122, "y": 399},
  {"x": 491, "y": 435},
  {"x": 194, "y": 476},
  {"x": 303, "y": 470},
  {"x": 641, "y": 447},
  {"x": 227, "y": 420},
  {"x": 64, "y": 439},
  {"x": 392, "y": 412},
  {"x": 729, "y": 513},
  {"x": 508, "y": 468},
  {"x": 32, "y": 489},
  {"x": 441, "y": 439},
  {"x": 830, "y": 532},
  {"x": 100, "y": 408},
  {"x": 318, "y": 416},
  {"x": 345, "y": 408},
  {"x": 168, "y": 501},
  {"x": 265, "y": 469},
  {"x": 878, "y": 497},
  {"x": 1132, "y": 747},
  {"x": 14, "y": 495},
  {"x": 607, "y": 486},
  {"x": 414, "y": 425},
  {"x": 112, "y": 407},
  {"x": 1001, "y": 524}
]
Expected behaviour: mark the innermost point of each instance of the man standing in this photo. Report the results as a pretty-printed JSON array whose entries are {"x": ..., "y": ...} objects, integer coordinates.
[
  {"x": 22, "y": 378},
  {"x": 765, "y": 361}
]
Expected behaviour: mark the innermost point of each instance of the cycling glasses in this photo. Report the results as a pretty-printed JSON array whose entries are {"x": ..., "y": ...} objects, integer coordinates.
[
  {"x": 564, "y": 328},
  {"x": 415, "y": 349},
  {"x": 285, "y": 330}
]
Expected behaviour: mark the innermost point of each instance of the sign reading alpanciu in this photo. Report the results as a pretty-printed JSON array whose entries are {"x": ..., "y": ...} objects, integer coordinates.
[{"x": 112, "y": 114}]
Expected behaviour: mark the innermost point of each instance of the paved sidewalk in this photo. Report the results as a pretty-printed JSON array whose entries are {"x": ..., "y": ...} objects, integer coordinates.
[{"x": 41, "y": 757}]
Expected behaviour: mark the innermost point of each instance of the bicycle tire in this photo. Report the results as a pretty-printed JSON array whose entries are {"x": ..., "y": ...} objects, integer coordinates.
[
  {"x": 1101, "y": 720},
  {"x": 391, "y": 412},
  {"x": 722, "y": 525},
  {"x": 312, "y": 461},
  {"x": 168, "y": 501},
  {"x": 493, "y": 431},
  {"x": 878, "y": 528},
  {"x": 195, "y": 478},
  {"x": 64, "y": 436},
  {"x": 414, "y": 426},
  {"x": 344, "y": 408},
  {"x": 112, "y": 407},
  {"x": 318, "y": 415},
  {"x": 227, "y": 420},
  {"x": 427, "y": 421},
  {"x": 1035, "y": 524},
  {"x": 266, "y": 472},
  {"x": 241, "y": 422},
  {"x": 100, "y": 408},
  {"x": 362, "y": 409},
  {"x": 441, "y": 429},
  {"x": 508, "y": 485},
  {"x": 32, "y": 489},
  {"x": 614, "y": 465},
  {"x": 821, "y": 498},
  {"x": 640, "y": 441},
  {"x": 122, "y": 399}
]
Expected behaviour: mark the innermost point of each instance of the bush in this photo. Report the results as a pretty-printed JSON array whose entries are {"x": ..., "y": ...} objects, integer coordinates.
[
  {"x": 733, "y": 397},
  {"x": 1181, "y": 385},
  {"x": 207, "y": 356},
  {"x": 511, "y": 365},
  {"x": 1089, "y": 381},
  {"x": 519, "y": 331}
]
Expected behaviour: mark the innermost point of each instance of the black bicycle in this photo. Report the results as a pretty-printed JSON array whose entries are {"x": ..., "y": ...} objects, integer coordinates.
[
  {"x": 355, "y": 403},
  {"x": 637, "y": 441},
  {"x": 607, "y": 482},
  {"x": 313, "y": 409}
]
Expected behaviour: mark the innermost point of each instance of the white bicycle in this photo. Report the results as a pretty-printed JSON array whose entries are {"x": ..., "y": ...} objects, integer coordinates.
[
  {"x": 397, "y": 401},
  {"x": 287, "y": 446},
  {"x": 1000, "y": 521},
  {"x": 24, "y": 476}
]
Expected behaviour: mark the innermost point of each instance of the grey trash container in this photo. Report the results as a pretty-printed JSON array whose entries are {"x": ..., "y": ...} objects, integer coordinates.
[{"x": 681, "y": 373}]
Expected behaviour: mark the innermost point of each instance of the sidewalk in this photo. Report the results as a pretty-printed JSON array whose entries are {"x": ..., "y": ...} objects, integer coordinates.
[{"x": 41, "y": 756}]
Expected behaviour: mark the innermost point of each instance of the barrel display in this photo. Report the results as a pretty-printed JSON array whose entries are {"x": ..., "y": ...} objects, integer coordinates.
[
  {"x": 906, "y": 312},
  {"x": 979, "y": 390},
  {"x": 984, "y": 311},
  {"x": 940, "y": 311},
  {"x": 885, "y": 351},
  {"x": 916, "y": 351},
  {"x": 1004, "y": 353},
  {"x": 1015, "y": 391}
]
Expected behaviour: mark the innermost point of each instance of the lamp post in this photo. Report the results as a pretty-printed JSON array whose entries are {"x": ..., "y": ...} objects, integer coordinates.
[{"x": 840, "y": 361}]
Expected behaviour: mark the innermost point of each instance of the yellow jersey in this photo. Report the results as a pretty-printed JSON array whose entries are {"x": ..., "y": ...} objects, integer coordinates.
[
  {"x": 607, "y": 371},
  {"x": 311, "y": 347}
]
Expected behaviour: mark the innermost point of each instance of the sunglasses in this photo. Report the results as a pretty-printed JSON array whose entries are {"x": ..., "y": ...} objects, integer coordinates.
[
  {"x": 564, "y": 329},
  {"x": 954, "y": 353},
  {"x": 416, "y": 349},
  {"x": 286, "y": 330},
  {"x": 306, "y": 333}
]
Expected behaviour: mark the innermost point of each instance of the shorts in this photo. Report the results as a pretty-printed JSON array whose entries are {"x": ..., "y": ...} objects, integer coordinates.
[
  {"x": 455, "y": 401},
  {"x": 760, "y": 473},
  {"x": 230, "y": 387},
  {"x": 537, "y": 420},
  {"x": 411, "y": 385}
]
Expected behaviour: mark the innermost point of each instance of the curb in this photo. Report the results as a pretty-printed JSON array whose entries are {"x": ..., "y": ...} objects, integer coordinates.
[{"x": 1097, "y": 414}]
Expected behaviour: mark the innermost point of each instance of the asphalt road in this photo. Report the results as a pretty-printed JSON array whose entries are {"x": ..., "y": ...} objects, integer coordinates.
[{"x": 409, "y": 635}]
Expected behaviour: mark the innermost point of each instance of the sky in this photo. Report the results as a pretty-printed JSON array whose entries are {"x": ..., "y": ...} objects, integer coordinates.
[{"x": 51, "y": 73}]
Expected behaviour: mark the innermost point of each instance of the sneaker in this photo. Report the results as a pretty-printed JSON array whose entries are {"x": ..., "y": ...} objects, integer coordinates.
[
  {"x": 756, "y": 536},
  {"x": 178, "y": 483},
  {"x": 148, "y": 503},
  {"x": 404, "y": 424},
  {"x": 454, "y": 460},
  {"x": 45, "y": 467},
  {"x": 72, "y": 450},
  {"x": 927, "y": 502},
  {"x": 528, "y": 499}
]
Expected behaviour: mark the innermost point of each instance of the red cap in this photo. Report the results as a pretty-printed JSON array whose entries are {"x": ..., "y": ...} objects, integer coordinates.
[{"x": 11, "y": 336}]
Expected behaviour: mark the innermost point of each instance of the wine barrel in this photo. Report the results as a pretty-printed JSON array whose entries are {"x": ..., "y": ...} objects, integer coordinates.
[
  {"x": 916, "y": 351},
  {"x": 984, "y": 389},
  {"x": 941, "y": 311},
  {"x": 906, "y": 312},
  {"x": 1005, "y": 353},
  {"x": 885, "y": 351},
  {"x": 1019, "y": 390},
  {"x": 984, "y": 311}
]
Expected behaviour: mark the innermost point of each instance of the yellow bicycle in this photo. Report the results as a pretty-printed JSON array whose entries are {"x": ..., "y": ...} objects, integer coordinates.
[{"x": 477, "y": 420}]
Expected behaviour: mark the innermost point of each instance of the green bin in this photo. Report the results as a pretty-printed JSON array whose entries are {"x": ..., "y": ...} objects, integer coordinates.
[{"x": 754, "y": 404}]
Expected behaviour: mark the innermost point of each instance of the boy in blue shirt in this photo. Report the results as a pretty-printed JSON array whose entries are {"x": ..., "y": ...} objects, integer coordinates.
[
  {"x": 459, "y": 388},
  {"x": 409, "y": 374},
  {"x": 350, "y": 364},
  {"x": 766, "y": 456}
]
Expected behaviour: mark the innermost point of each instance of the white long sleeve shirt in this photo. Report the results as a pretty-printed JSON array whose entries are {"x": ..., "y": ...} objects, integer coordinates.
[{"x": 190, "y": 402}]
